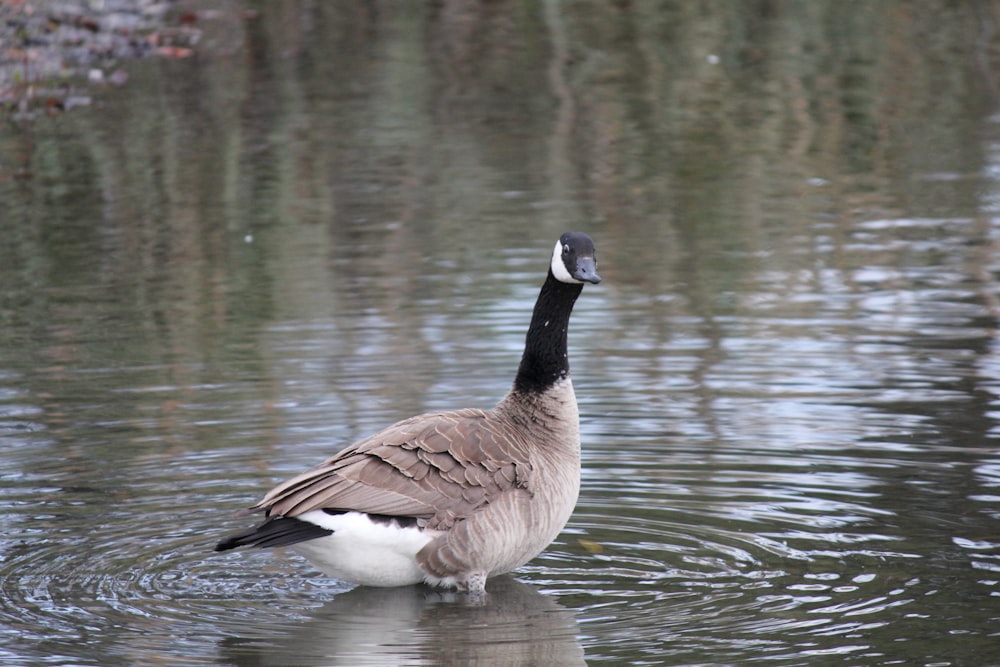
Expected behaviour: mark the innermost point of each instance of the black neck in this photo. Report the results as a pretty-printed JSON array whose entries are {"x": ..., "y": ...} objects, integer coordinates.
[{"x": 546, "y": 360}]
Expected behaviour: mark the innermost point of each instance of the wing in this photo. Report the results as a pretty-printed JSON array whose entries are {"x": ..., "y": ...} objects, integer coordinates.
[{"x": 437, "y": 467}]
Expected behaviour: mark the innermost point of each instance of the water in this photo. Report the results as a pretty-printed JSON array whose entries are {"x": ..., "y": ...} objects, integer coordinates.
[{"x": 330, "y": 220}]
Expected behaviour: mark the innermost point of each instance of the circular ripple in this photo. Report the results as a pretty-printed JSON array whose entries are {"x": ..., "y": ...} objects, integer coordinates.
[
  {"x": 662, "y": 566},
  {"x": 655, "y": 566},
  {"x": 82, "y": 581}
]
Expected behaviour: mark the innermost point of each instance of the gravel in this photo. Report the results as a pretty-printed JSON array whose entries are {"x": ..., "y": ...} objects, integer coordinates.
[{"x": 54, "y": 53}]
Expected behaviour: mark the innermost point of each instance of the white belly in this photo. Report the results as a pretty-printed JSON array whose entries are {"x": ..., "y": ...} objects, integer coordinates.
[{"x": 363, "y": 551}]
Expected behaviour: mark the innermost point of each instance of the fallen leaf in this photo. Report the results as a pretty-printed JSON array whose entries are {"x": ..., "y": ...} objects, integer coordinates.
[
  {"x": 591, "y": 546},
  {"x": 174, "y": 52}
]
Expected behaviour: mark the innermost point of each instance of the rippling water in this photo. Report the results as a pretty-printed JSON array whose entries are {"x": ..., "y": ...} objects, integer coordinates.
[
  {"x": 788, "y": 381},
  {"x": 773, "y": 485}
]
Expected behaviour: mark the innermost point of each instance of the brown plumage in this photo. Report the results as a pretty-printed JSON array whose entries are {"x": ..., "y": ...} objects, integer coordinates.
[
  {"x": 436, "y": 467},
  {"x": 450, "y": 498}
]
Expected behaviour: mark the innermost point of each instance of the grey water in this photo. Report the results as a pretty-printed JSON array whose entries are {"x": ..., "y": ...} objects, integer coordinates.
[{"x": 337, "y": 215}]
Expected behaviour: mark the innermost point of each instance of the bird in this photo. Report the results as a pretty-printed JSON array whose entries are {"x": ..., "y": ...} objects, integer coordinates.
[{"x": 451, "y": 498}]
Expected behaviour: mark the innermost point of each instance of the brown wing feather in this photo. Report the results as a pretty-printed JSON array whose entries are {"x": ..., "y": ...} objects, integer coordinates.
[{"x": 437, "y": 467}]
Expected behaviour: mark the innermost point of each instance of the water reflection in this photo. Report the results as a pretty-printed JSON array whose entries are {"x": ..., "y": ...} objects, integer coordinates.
[
  {"x": 515, "y": 625},
  {"x": 330, "y": 219}
]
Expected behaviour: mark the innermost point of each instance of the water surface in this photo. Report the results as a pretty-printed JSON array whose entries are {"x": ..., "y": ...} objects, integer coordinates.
[{"x": 333, "y": 219}]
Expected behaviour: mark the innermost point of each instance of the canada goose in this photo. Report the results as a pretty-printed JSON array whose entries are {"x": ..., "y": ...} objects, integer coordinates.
[{"x": 450, "y": 498}]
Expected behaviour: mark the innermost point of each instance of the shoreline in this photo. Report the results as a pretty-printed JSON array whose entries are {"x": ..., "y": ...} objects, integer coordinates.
[{"x": 53, "y": 55}]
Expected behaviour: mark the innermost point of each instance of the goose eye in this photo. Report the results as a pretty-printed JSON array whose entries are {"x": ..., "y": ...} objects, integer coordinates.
[{"x": 565, "y": 249}]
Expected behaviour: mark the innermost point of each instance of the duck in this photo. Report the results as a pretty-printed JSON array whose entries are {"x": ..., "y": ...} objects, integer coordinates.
[{"x": 451, "y": 498}]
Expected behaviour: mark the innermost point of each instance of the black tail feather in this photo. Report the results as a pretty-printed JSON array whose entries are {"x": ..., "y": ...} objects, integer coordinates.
[{"x": 275, "y": 532}]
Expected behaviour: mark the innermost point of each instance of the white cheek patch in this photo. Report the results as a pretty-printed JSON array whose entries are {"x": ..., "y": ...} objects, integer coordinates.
[{"x": 559, "y": 269}]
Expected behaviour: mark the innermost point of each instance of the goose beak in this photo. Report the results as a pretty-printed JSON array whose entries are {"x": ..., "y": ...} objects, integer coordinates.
[{"x": 586, "y": 270}]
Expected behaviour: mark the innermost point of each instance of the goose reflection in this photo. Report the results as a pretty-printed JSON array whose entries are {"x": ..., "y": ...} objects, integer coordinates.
[{"x": 514, "y": 624}]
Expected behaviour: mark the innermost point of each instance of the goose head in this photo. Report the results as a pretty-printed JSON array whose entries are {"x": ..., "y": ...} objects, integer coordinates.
[{"x": 574, "y": 260}]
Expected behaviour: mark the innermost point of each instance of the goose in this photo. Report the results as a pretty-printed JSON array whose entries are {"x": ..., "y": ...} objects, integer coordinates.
[{"x": 449, "y": 499}]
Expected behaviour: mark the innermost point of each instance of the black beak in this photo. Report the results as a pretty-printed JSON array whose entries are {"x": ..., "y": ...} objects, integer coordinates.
[{"x": 586, "y": 270}]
